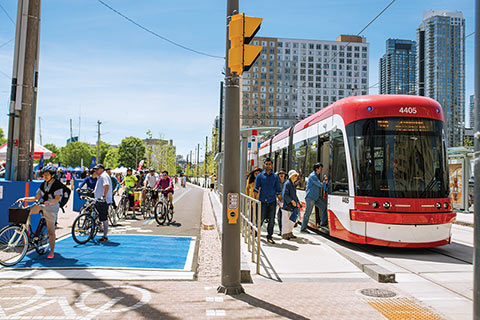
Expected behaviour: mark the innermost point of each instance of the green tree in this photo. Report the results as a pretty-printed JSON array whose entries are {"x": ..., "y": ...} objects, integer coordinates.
[
  {"x": 103, "y": 150},
  {"x": 2, "y": 137},
  {"x": 73, "y": 153},
  {"x": 112, "y": 159},
  {"x": 130, "y": 151},
  {"x": 54, "y": 149}
]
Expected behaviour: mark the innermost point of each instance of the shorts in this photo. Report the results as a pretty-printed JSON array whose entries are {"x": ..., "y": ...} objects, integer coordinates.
[
  {"x": 131, "y": 200},
  {"x": 154, "y": 195},
  {"x": 102, "y": 208},
  {"x": 50, "y": 214},
  {"x": 212, "y": 185},
  {"x": 165, "y": 193}
]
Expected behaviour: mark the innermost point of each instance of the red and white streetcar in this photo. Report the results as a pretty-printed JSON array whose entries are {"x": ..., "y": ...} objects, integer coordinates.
[{"x": 386, "y": 161}]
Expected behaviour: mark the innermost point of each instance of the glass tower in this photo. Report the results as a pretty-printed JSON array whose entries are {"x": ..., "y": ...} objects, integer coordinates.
[
  {"x": 441, "y": 67},
  {"x": 397, "y": 67}
]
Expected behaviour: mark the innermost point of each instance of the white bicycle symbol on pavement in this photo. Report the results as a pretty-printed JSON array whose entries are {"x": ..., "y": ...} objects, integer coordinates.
[{"x": 92, "y": 302}]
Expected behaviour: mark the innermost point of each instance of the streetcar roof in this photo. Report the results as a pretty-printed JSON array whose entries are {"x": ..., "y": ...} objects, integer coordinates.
[
  {"x": 282, "y": 135},
  {"x": 375, "y": 106}
]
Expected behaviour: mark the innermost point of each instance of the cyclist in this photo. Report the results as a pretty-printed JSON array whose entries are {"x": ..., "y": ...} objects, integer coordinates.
[
  {"x": 141, "y": 177},
  {"x": 90, "y": 180},
  {"x": 166, "y": 184},
  {"x": 115, "y": 186},
  {"x": 130, "y": 182},
  {"x": 49, "y": 203},
  {"x": 151, "y": 180}
]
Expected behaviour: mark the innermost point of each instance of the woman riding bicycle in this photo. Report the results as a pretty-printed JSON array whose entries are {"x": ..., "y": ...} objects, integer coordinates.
[{"x": 49, "y": 195}]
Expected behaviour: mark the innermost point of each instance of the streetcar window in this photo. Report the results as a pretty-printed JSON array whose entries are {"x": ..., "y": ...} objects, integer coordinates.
[
  {"x": 312, "y": 154},
  {"x": 299, "y": 163},
  {"x": 339, "y": 174},
  {"x": 399, "y": 157}
]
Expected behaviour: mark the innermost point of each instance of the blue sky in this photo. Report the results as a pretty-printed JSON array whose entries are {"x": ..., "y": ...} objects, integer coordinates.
[{"x": 95, "y": 64}]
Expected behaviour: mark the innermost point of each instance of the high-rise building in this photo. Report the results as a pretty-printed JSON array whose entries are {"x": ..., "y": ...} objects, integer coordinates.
[
  {"x": 471, "y": 119},
  {"x": 397, "y": 67},
  {"x": 441, "y": 67},
  {"x": 294, "y": 78}
]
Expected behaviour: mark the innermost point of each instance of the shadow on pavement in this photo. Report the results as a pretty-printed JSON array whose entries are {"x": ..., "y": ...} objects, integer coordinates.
[{"x": 257, "y": 303}]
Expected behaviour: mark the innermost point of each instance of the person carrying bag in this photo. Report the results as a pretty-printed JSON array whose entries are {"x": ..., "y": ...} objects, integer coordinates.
[{"x": 291, "y": 205}]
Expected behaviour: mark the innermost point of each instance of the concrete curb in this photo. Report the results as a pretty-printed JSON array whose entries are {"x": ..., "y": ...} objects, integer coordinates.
[
  {"x": 373, "y": 270},
  {"x": 245, "y": 274}
]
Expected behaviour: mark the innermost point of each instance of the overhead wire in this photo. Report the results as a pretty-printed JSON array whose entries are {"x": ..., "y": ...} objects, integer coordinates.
[
  {"x": 6, "y": 13},
  {"x": 158, "y": 35}
]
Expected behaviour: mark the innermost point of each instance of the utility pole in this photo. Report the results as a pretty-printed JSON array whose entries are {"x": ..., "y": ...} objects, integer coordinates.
[
  {"x": 99, "y": 135},
  {"x": 71, "y": 130},
  {"x": 23, "y": 100},
  {"x": 231, "y": 232},
  {"x": 198, "y": 163},
  {"x": 221, "y": 159},
  {"x": 476, "y": 192},
  {"x": 40, "y": 129},
  {"x": 205, "y": 162}
]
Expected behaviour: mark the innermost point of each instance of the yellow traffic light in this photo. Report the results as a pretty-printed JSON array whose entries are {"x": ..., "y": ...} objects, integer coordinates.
[{"x": 241, "y": 55}]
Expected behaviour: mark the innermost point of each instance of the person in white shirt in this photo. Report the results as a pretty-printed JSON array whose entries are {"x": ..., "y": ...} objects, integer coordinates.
[
  {"x": 150, "y": 181},
  {"x": 103, "y": 193}
]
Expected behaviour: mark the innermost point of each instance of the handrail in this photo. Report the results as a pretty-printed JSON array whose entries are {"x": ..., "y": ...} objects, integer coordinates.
[{"x": 250, "y": 210}]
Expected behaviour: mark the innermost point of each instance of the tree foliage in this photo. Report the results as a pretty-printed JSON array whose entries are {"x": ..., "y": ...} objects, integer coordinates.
[
  {"x": 2, "y": 137},
  {"x": 73, "y": 153},
  {"x": 54, "y": 149},
  {"x": 112, "y": 158},
  {"x": 130, "y": 151}
]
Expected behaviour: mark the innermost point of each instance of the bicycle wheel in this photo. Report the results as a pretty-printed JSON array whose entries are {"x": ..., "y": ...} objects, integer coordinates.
[
  {"x": 83, "y": 228},
  {"x": 122, "y": 208},
  {"x": 146, "y": 209},
  {"x": 160, "y": 213},
  {"x": 13, "y": 245},
  {"x": 112, "y": 215},
  {"x": 169, "y": 214},
  {"x": 42, "y": 244}
]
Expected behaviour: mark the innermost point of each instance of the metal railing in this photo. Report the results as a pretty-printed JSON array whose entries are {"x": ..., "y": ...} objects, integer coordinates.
[{"x": 250, "y": 213}]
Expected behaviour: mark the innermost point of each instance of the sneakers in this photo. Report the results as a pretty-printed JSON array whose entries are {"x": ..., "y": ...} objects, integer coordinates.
[
  {"x": 103, "y": 239},
  {"x": 51, "y": 255},
  {"x": 270, "y": 241}
]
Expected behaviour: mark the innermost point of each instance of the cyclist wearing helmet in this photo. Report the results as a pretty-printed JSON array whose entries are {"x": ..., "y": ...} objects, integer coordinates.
[
  {"x": 141, "y": 178},
  {"x": 49, "y": 204},
  {"x": 151, "y": 180},
  {"x": 130, "y": 181},
  {"x": 166, "y": 184}
]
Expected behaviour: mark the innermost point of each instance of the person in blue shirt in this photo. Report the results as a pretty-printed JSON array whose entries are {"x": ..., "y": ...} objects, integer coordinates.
[
  {"x": 291, "y": 205},
  {"x": 315, "y": 193},
  {"x": 267, "y": 190},
  {"x": 90, "y": 181}
]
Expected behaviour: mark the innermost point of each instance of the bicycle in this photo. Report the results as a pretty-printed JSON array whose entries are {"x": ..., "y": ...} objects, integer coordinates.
[
  {"x": 163, "y": 210},
  {"x": 123, "y": 205},
  {"x": 86, "y": 226},
  {"x": 147, "y": 206},
  {"x": 18, "y": 238}
]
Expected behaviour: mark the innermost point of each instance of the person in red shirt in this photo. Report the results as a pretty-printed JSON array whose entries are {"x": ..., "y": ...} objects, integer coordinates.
[{"x": 165, "y": 183}]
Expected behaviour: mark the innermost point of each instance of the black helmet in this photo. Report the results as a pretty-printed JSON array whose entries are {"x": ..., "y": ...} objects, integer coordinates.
[{"x": 49, "y": 168}]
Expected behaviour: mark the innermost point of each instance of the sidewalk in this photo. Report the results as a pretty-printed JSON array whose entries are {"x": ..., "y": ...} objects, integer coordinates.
[
  {"x": 465, "y": 218},
  {"x": 307, "y": 279}
]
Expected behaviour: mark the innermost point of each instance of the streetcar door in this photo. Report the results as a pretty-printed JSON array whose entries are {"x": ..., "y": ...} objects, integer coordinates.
[{"x": 339, "y": 202}]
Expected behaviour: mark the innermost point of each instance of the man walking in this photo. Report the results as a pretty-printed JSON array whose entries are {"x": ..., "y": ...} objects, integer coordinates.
[
  {"x": 267, "y": 189},
  {"x": 103, "y": 193},
  {"x": 314, "y": 197}
]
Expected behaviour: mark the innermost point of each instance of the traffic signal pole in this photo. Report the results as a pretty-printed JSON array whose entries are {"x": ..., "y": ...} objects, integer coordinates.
[
  {"x": 231, "y": 232},
  {"x": 476, "y": 192}
]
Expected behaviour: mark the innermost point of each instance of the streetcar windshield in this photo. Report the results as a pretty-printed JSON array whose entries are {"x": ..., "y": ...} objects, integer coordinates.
[{"x": 399, "y": 157}]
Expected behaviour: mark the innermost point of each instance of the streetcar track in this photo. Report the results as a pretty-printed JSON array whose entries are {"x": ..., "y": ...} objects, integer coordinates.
[{"x": 364, "y": 249}]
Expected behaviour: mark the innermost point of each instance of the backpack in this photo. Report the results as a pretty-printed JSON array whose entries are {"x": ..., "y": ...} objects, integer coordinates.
[{"x": 56, "y": 186}]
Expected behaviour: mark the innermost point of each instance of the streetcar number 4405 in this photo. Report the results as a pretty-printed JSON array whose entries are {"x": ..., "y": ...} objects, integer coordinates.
[{"x": 411, "y": 110}]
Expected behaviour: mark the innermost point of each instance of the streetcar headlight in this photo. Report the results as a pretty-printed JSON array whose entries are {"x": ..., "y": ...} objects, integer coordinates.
[
  {"x": 439, "y": 205},
  {"x": 374, "y": 204},
  {"x": 386, "y": 205},
  {"x": 445, "y": 205}
]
